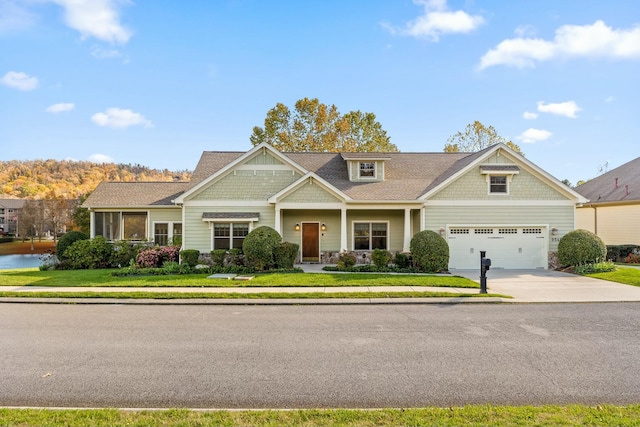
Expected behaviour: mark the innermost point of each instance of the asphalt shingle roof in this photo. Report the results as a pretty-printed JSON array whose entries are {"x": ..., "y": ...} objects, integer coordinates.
[
  {"x": 134, "y": 194},
  {"x": 407, "y": 176},
  {"x": 604, "y": 189}
]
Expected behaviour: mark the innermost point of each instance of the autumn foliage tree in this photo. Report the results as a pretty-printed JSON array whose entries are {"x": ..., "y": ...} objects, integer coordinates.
[
  {"x": 317, "y": 127},
  {"x": 476, "y": 137}
]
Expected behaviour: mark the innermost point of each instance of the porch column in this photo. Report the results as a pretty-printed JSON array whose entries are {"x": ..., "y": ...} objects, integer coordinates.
[
  {"x": 343, "y": 230},
  {"x": 422, "y": 218},
  {"x": 407, "y": 231},
  {"x": 92, "y": 224},
  {"x": 277, "y": 224}
]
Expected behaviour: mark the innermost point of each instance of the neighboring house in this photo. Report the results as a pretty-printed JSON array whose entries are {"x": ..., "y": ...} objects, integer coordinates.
[
  {"x": 613, "y": 209},
  {"x": 494, "y": 200},
  {"x": 9, "y": 209}
]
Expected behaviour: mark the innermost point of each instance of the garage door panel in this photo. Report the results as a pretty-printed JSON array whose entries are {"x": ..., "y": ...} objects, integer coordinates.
[{"x": 507, "y": 247}]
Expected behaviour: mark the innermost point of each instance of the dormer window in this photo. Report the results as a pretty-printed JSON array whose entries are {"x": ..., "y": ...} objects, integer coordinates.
[{"x": 367, "y": 170}]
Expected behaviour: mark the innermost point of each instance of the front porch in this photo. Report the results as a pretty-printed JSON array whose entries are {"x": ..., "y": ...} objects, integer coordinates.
[{"x": 323, "y": 234}]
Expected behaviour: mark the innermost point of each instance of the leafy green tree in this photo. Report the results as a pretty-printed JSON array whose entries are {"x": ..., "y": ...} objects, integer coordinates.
[
  {"x": 476, "y": 137},
  {"x": 317, "y": 127}
]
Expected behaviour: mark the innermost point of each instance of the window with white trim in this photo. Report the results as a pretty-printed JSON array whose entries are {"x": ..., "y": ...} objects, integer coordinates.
[
  {"x": 370, "y": 235},
  {"x": 498, "y": 184},
  {"x": 367, "y": 170},
  {"x": 227, "y": 235},
  {"x": 165, "y": 233}
]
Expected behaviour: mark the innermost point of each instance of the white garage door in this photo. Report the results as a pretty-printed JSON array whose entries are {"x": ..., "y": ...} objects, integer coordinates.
[{"x": 507, "y": 247}]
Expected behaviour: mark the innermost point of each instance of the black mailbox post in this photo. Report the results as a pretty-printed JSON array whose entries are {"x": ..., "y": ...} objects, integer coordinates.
[{"x": 485, "y": 264}]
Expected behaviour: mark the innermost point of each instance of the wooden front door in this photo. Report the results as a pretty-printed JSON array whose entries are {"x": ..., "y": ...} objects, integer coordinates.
[{"x": 310, "y": 242}]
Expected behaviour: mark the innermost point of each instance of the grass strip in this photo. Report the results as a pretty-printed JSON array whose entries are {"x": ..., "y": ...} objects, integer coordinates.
[
  {"x": 471, "y": 415},
  {"x": 627, "y": 276},
  {"x": 235, "y": 295},
  {"x": 91, "y": 278}
]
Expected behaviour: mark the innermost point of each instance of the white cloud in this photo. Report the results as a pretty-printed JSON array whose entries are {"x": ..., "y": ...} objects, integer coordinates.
[
  {"x": 60, "y": 107},
  {"x": 18, "y": 80},
  {"x": 100, "y": 158},
  {"x": 570, "y": 41},
  {"x": 119, "y": 118},
  {"x": 529, "y": 115},
  {"x": 567, "y": 109},
  {"x": 532, "y": 135},
  {"x": 438, "y": 20},
  {"x": 95, "y": 18}
]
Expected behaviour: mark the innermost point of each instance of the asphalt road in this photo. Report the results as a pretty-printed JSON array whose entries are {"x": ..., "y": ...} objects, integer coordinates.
[{"x": 318, "y": 356}]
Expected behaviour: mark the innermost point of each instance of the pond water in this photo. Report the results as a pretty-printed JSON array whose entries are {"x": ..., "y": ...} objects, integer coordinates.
[{"x": 8, "y": 262}]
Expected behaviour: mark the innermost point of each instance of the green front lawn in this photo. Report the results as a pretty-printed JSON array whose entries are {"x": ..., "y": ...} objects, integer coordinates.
[
  {"x": 628, "y": 276},
  {"x": 471, "y": 415},
  {"x": 91, "y": 278}
]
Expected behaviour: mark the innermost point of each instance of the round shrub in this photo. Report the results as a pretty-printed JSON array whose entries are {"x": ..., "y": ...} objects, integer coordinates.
[
  {"x": 380, "y": 258},
  {"x": 94, "y": 253},
  {"x": 259, "y": 245},
  {"x": 67, "y": 240},
  {"x": 581, "y": 247},
  {"x": 430, "y": 252},
  {"x": 285, "y": 255}
]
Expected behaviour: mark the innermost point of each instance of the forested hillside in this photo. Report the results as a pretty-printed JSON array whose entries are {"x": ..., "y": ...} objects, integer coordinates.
[{"x": 38, "y": 179}]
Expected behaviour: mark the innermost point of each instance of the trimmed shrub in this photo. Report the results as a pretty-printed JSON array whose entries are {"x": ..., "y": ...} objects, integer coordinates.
[
  {"x": 259, "y": 245},
  {"x": 67, "y": 240},
  {"x": 430, "y": 252},
  {"x": 125, "y": 252},
  {"x": 581, "y": 247},
  {"x": 380, "y": 258},
  {"x": 89, "y": 254},
  {"x": 401, "y": 260},
  {"x": 157, "y": 256},
  {"x": 217, "y": 256},
  {"x": 285, "y": 255},
  {"x": 618, "y": 253},
  {"x": 190, "y": 257},
  {"x": 346, "y": 260}
]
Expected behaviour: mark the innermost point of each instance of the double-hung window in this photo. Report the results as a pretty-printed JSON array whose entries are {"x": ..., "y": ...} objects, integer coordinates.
[
  {"x": 370, "y": 235},
  {"x": 229, "y": 235},
  {"x": 498, "y": 184},
  {"x": 367, "y": 170}
]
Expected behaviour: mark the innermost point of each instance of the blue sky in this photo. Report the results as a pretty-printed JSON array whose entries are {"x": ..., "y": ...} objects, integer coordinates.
[{"x": 156, "y": 82}]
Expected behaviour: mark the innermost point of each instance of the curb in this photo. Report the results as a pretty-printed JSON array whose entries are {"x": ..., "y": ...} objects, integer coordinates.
[{"x": 250, "y": 301}]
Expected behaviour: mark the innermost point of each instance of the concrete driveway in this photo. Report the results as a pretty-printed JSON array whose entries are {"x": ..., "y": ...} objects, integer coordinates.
[{"x": 552, "y": 286}]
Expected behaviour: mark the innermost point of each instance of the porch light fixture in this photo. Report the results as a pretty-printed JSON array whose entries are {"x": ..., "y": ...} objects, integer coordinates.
[
  {"x": 442, "y": 231},
  {"x": 297, "y": 227},
  {"x": 323, "y": 227},
  {"x": 554, "y": 231}
]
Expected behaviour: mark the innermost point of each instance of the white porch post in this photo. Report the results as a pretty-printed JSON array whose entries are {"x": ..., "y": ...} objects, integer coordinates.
[
  {"x": 422, "y": 218},
  {"x": 407, "y": 230},
  {"x": 343, "y": 229},
  {"x": 278, "y": 219},
  {"x": 92, "y": 224}
]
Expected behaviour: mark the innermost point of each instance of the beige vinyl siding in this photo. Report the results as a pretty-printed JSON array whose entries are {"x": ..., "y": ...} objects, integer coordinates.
[
  {"x": 329, "y": 239},
  {"x": 248, "y": 185},
  {"x": 395, "y": 218},
  {"x": 585, "y": 219},
  {"x": 617, "y": 225},
  {"x": 560, "y": 217},
  {"x": 197, "y": 232},
  {"x": 473, "y": 186},
  {"x": 166, "y": 215},
  {"x": 310, "y": 192}
]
